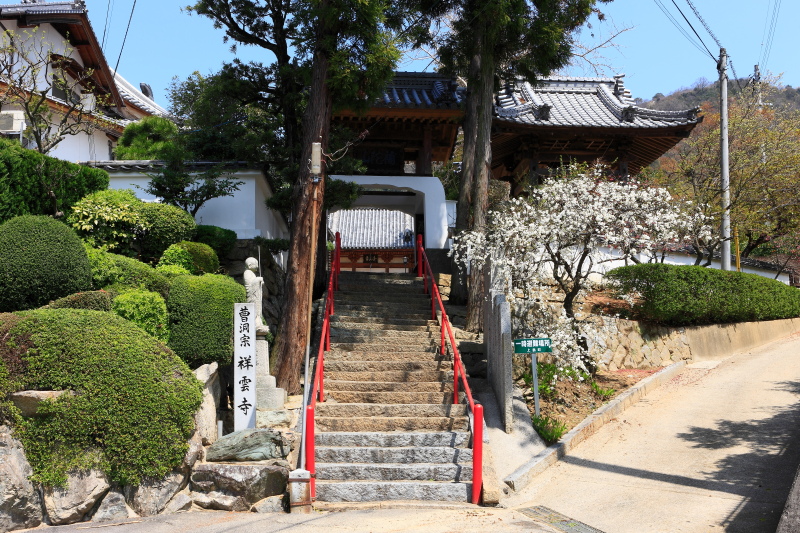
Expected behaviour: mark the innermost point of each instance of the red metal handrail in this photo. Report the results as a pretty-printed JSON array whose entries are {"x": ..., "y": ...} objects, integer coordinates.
[
  {"x": 459, "y": 371},
  {"x": 318, "y": 386}
]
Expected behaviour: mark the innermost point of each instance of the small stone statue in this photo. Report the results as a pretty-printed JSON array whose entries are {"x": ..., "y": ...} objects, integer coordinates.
[{"x": 254, "y": 284}]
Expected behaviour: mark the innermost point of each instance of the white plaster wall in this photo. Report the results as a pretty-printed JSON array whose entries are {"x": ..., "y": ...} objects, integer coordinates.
[
  {"x": 244, "y": 212},
  {"x": 430, "y": 201}
]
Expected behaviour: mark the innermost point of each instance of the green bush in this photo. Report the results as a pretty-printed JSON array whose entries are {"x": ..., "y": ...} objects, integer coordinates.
[
  {"x": 150, "y": 138},
  {"x": 201, "y": 317},
  {"x": 220, "y": 239},
  {"x": 124, "y": 273},
  {"x": 177, "y": 255},
  {"x": 689, "y": 295},
  {"x": 41, "y": 259},
  {"x": 196, "y": 257},
  {"x": 27, "y": 177},
  {"x": 166, "y": 225},
  {"x": 94, "y": 300},
  {"x": 133, "y": 404},
  {"x": 109, "y": 219},
  {"x": 145, "y": 309},
  {"x": 172, "y": 271}
]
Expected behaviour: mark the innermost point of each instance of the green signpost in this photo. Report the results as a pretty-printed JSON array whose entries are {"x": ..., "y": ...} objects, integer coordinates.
[{"x": 533, "y": 346}]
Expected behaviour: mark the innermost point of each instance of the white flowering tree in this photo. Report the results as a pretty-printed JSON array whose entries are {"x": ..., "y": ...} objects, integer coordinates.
[{"x": 559, "y": 237}]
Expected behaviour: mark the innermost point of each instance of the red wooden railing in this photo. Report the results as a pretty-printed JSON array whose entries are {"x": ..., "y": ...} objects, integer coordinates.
[
  {"x": 318, "y": 383},
  {"x": 459, "y": 372}
]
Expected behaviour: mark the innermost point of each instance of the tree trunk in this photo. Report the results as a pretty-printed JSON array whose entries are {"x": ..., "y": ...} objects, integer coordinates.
[
  {"x": 458, "y": 284},
  {"x": 295, "y": 324},
  {"x": 483, "y": 169}
]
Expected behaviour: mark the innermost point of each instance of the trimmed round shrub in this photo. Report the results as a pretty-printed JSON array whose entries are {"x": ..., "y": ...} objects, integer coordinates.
[
  {"x": 41, "y": 259},
  {"x": 201, "y": 318},
  {"x": 172, "y": 271},
  {"x": 179, "y": 256},
  {"x": 166, "y": 225},
  {"x": 110, "y": 219},
  {"x": 220, "y": 239},
  {"x": 145, "y": 309},
  {"x": 131, "y": 406},
  {"x": 124, "y": 273},
  {"x": 94, "y": 300},
  {"x": 688, "y": 295},
  {"x": 202, "y": 259}
]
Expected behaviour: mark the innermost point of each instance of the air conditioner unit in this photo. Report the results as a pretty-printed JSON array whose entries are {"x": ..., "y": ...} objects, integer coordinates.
[{"x": 12, "y": 121}]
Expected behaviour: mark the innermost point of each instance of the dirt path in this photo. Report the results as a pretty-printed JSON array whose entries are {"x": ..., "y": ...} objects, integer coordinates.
[{"x": 716, "y": 449}]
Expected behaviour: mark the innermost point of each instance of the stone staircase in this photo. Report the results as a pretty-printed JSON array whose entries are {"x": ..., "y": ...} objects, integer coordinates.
[{"x": 388, "y": 429}]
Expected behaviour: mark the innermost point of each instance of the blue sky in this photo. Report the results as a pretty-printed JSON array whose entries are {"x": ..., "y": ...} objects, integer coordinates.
[{"x": 164, "y": 42}]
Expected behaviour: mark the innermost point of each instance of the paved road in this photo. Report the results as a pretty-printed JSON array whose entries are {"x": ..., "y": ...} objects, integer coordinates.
[{"x": 716, "y": 449}]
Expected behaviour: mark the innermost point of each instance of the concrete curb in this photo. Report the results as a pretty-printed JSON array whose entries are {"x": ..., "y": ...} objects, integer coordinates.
[{"x": 523, "y": 475}]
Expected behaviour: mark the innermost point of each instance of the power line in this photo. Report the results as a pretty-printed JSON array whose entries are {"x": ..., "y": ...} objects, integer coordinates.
[
  {"x": 121, "y": 48},
  {"x": 703, "y": 22},
  {"x": 109, "y": 8},
  {"x": 677, "y": 25},
  {"x": 771, "y": 35},
  {"x": 694, "y": 30}
]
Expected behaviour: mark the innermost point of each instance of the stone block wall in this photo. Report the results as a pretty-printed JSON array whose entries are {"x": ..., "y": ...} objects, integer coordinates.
[{"x": 630, "y": 344}]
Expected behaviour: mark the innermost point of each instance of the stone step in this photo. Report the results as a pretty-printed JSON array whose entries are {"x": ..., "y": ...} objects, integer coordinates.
[
  {"x": 382, "y": 295},
  {"x": 373, "y": 335},
  {"x": 337, "y": 355},
  {"x": 401, "y": 423},
  {"x": 394, "y": 472},
  {"x": 332, "y": 385},
  {"x": 398, "y": 377},
  {"x": 404, "y": 345},
  {"x": 371, "y": 491},
  {"x": 383, "y": 321},
  {"x": 389, "y": 397},
  {"x": 361, "y": 410},
  {"x": 386, "y": 366},
  {"x": 349, "y": 312},
  {"x": 408, "y": 455},
  {"x": 347, "y": 276},
  {"x": 453, "y": 439},
  {"x": 384, "y": 308},
  {"x": 419, "y": 327}
]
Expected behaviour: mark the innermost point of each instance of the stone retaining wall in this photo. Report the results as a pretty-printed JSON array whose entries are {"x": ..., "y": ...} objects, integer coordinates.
[{"x": 630, "y": 344}]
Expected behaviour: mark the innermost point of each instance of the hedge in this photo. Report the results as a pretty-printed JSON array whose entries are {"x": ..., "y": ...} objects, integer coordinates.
[
  {"x": 145, "y": 309},
  {"x": 41, "y": 259},
  {"x": 120, "y": 274},
  {"x": 220, "y": 239},
  {"x": 196, "y": 257},
  {"x": 24, "y": 173},
  {"x": 166, "y": 225},
  {"x": 690, "y": 295},
  {"x": 201, "y": 317},
  {"x": 94, "y": 300},
  {"x": 132, "y": 410},
  {"x": 110, "y": 219}
]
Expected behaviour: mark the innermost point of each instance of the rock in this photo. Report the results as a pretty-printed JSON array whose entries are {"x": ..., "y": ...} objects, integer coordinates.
[
  {"x": 113, "y": 508},
  {"x": 220, "y": 501},
  {"x": 252, "y": 482},
  {"x": 281, "y": 418},
  {"x": 179, "y": 503},
  {"x": 206, "y": 416},
  {"x": 249, "y": 445},
  {"x": 70, "y": 504},
  {"x": 151, "y": 497},
  {"x": 196, "y": 452},
  {"x": 20, "y": 503},
  {"x": 273, "y": 504},
  {"x": 28, "y": 401}
]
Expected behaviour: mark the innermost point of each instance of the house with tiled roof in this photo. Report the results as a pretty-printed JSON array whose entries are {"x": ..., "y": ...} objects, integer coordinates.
[
  {"x": 536, "y": 127},
  {"x": 62, "y": 30}
]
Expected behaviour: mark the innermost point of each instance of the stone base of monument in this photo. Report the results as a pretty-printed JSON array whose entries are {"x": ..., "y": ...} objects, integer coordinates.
[{"x": 268, "y": 395}]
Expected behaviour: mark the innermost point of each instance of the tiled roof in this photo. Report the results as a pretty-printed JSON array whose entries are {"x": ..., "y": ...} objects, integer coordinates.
[
  {"x": 576, "y": 102},
  {"x": 136, "y": 97},
  {"x": 151, "y": 165},
  {"x": 421, "y": 90},
  {"x": 43, "y": 8},
  {"x": 368, "y": 228}
]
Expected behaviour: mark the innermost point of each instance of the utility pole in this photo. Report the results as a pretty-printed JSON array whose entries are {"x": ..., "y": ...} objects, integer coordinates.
[{"x": 725, "y": 230}]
